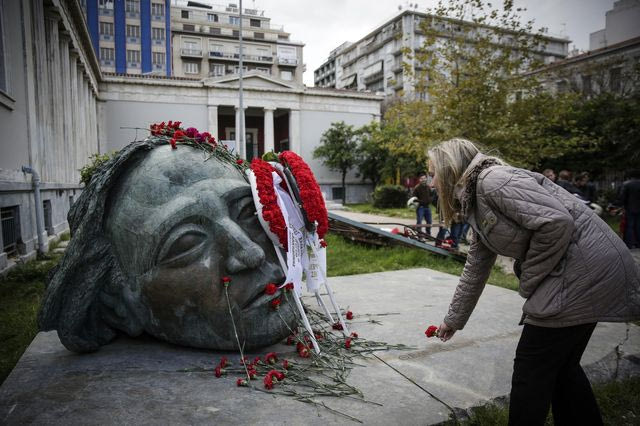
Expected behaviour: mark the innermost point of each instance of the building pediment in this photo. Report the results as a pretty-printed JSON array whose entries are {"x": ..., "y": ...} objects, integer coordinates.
[{"x": 251, "y": 79}]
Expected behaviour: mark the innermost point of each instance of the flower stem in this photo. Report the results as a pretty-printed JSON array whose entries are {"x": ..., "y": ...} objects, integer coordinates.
[{"x": 235, "y": 331}]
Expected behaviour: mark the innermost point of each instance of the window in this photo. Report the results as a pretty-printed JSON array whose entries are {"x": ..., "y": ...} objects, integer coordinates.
[
  {"x": 106, "y": 28},
  {"x": 107, "y": 53},
  {"x": 157, "y": 9},
  {"x": 254, "y": 23},
  {"x": 184, "y": 14},
  {"x": 133, "y": 31},
  {"x": 212, "y": 17},
  {"x": 48, "y": 216},
  {"x": 615, "y": 79},
  {"x": 217, "y": 70},
  {"x": 10, "y": 224},
  {"x": 336, "y": 193},
  {"x": 132, "y": 6},
  {"x": 236, "y": 33},
  {"x": 105, "y": 4},
  {"x": 236, "y": 69},
  {"x": 158, "y": 58},
  {"x": 286, "y": 75},
  {"x": 586, "y": 85},
  {"x": 133, "y": 56},
  {"x": 234, "y": 20},
  {"x": 157, "y": 33},
  {"x": 264, "y": 70},
  {"x": 215, "y": 31},
  {"x": 258, "y": 35},
  {"x": 188, "y": 27},
  {"x": 191, "y": 67}
]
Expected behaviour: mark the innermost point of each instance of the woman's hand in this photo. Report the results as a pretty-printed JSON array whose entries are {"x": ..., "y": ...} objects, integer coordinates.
[{"x": 445, "y": 332}]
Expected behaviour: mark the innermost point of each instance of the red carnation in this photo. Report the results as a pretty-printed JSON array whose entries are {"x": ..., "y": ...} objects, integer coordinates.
[
  {"x": 304, "y": 352},
  {"x": 178, "y": 134},
  {"x": 270, "y": 289},
  {"x": 347, "y": 343},
  {"x": 354, "y": 335},
  {"x": 252, "y": 373},
  {"x": 268, "y": 382},
  {"x": 285, "y": 364},
  {"x": 266, "y": 194},
  {"x": 432, "y": 330},
  {"x": 291, "y": 339},
  {"x": 226, "y": 281},
  {"x": 219, "y": 371},
  {"x": 275, "y": 304},
  {"x": 288, "y": 286},
  {"x": 224, "y": 362},
  {"x": 173, "y": 143},
  {"x": 337, "y": 326},
  {"x": 244, "y": 361},
  {"x": 271, "y": 358},
  {"x": 242, "y": 382},
  {"x": 310, "y": 194},
  {"x": 257, "y": 360},
  {"x": 279, "y": 375},
  {"x": 349, "y": 315},
  {"x": 323, "y": 243}
]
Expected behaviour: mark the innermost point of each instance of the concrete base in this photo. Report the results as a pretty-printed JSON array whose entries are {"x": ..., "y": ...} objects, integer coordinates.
[{"x": 139, "y": 381}]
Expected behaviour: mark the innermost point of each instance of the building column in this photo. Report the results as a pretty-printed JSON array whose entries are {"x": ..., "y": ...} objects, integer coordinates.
[
  {"x": 269, "y": 144},
  {"x": 295, "y": 144},
  {"x": 212, "y": 120},
  {"x": 241, "y": 148}
]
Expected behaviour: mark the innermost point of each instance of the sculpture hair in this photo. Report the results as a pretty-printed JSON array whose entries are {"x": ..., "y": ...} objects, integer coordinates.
[{"x": 80, "y": 301}]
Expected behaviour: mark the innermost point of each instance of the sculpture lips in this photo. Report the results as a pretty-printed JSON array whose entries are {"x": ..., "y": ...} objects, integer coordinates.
[{"x": 260, "y": 297}]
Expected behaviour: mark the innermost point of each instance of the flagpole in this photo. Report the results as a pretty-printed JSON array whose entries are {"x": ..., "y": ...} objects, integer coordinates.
[{"x": 241, "y": 132}]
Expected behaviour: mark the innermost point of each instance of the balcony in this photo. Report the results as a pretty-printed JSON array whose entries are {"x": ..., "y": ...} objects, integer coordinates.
[
  {"x": 287, "y": 61},
  {"x": 235, "y": 57},
  {"x": 373, "y": 77},
  {"x": 191, "y": 53},
  {"x": 105, "y": 11}
]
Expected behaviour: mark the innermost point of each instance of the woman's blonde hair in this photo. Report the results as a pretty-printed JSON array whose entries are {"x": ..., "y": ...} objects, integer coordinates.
[{"x": 450, "y": 159}]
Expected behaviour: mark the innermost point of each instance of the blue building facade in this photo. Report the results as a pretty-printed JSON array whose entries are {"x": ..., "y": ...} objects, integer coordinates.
[{"x": 131, "y": 36}]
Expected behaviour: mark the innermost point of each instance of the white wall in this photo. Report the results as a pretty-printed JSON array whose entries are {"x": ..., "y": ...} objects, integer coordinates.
[{"x": 123, "y": 113}]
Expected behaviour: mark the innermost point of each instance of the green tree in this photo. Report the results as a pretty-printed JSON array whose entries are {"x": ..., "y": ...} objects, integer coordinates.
[
  {"x": 338, "y": 151},
  {"x": 372, "y": 153},
  {"x": 469, "y": 67}
]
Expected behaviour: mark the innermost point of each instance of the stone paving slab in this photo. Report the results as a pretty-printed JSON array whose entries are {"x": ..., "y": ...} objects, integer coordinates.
[{"x": 138, "y": 381}]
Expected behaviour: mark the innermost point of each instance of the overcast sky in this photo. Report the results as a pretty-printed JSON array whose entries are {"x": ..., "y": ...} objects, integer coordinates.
[{"x": 323, "y": 25}]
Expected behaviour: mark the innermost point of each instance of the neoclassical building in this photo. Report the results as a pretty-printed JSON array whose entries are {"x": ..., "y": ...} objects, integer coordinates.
[{"x": 58, "y": 107}]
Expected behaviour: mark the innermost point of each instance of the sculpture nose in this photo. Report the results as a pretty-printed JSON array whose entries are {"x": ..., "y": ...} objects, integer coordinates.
[{"x": 243, "y": 253}]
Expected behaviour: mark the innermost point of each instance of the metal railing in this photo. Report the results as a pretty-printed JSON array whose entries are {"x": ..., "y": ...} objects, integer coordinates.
[{"x": 192, "y": 52}]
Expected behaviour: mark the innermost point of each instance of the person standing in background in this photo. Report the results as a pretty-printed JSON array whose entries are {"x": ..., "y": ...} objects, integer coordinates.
[
  {"x": 630, "y": 199},
  {"x": 422, "y": 191}
]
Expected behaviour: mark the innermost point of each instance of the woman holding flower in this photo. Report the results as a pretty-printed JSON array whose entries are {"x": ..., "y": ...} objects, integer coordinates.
[{"x": 573, "y": 270}]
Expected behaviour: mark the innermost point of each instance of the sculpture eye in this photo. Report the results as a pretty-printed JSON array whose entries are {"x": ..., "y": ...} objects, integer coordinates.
[
  {"x": 246, "y": 209},
  {"x": 184, "y": 248}
]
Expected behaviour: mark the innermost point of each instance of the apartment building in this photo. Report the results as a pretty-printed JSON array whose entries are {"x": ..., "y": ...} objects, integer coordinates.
[
  {"x": 131, "y": 36},
  {"x": 206, "y": 43},
  {"x": 375, "y": 62}
]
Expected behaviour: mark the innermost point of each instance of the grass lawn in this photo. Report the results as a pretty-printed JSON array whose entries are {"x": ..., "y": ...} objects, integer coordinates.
[
  {"x": 619, "y": 404},
  {"x": 20, "y": 295},
  {"x": 348, "y": 258}
]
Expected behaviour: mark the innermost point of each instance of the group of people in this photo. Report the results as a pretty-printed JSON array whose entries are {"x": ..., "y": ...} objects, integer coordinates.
[
  {"x": 573, "y": 270},
  {"x": 627, "y": 201}
]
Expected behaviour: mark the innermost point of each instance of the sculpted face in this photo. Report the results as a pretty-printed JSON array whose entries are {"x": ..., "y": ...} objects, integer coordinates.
[{"x": 178, "y": 225}]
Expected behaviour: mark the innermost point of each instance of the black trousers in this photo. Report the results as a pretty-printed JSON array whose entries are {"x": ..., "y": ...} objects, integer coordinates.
[{"x": 547, "y": 371}]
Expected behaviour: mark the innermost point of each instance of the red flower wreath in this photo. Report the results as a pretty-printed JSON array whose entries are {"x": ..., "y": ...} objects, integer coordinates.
[
  {"x": 270, "y": 210},
  {"x": 310, "y": 193}
]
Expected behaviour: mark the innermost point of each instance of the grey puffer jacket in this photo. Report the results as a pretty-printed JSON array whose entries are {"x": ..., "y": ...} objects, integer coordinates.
[{"x": 573, "y": 268}]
